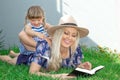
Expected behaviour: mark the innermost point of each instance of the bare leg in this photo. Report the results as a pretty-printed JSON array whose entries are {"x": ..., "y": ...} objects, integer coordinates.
[
  {"x": 13, "y": 61},
  {"x": 8, "y": 59},
  {"x": 13, "y": 54}
]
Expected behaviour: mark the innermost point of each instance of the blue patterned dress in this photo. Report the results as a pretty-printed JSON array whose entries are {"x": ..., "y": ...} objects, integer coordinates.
[
  {"x": 26, "y": 54},
  {"x": 42, "y": 56},
  {"x": 40, "y": 29}
]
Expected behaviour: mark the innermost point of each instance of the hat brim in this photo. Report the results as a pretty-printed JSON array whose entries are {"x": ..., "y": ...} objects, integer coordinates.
[{"x": 82, "y": 31}]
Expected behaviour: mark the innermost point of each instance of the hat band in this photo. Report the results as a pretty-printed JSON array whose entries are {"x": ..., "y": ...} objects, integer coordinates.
[{"x": 69, "y": 24}]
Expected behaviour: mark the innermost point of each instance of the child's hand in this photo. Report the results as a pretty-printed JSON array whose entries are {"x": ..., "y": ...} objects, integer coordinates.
[{"x": 40, "y": 35}]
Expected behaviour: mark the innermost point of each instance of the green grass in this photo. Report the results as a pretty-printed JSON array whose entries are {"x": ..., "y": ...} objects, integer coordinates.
[{"x": 97, "y": 57}]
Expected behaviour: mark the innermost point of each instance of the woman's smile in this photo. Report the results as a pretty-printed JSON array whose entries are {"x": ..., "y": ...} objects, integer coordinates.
[{"x": 69, "y": 37}]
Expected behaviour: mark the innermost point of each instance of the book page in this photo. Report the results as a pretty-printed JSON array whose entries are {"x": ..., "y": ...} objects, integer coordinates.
[
  {"x": 89, "y": 71},
  {"x": 84, "y": 70},
  {"x": 97, "y": 68}
]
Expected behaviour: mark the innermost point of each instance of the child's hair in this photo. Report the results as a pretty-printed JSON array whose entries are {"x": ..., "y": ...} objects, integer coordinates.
[{"x": 35, "y": 12}]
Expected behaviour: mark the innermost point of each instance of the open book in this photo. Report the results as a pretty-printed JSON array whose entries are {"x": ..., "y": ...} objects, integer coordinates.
[{"x": 80, "y": 71}]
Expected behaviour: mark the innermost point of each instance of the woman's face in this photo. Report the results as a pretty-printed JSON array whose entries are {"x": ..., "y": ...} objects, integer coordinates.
[{"x": 69, "y": 37}]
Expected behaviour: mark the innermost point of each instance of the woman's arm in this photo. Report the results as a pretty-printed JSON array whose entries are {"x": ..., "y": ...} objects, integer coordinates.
[
  {"x": 85, "y": 65},
  {"x": 63, "y": 76},
  {"x": 35, "y": 69}
]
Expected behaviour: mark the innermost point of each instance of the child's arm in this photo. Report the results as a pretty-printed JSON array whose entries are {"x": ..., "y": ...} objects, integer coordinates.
[
  {"x": 32, "y": 33},
  {"x": 47, "y": 26},
  {"x": 27, "y": 40}
]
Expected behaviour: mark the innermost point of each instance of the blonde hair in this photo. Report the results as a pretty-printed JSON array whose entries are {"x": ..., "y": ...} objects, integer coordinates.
[
  {"x": 56, "y": 59},
  {"x": 74, "y": 46},
  {"x": 35, "y": 12}
]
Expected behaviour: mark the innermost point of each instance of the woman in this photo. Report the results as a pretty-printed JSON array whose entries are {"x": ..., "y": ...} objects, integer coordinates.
[{"x": 64, "y": 50}]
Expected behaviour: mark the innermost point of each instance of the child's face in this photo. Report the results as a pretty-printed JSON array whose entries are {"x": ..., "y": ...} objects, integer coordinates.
[
  {"x": 69, "y": 37},
  {"x": 36, "y": 22}
]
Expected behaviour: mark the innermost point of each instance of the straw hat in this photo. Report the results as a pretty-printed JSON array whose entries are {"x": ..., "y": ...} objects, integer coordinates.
[{"x": 68, "y": 21}]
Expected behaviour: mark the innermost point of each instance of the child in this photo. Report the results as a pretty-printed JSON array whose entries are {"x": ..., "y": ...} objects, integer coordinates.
[{"x": 35, "y": 28}]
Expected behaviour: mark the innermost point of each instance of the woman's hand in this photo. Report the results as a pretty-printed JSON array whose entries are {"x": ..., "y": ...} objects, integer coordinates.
[{"x": 85, "y": 65}]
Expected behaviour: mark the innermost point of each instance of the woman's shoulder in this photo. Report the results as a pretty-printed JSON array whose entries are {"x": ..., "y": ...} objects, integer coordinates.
[
  {"x": 78, "y": 47},
  {"x": 79, "y": 50}
]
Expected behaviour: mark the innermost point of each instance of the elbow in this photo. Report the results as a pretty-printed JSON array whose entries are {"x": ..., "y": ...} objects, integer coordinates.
[
  {"x": 20, "y": 34},
  {"x": 34, "y": 68}
]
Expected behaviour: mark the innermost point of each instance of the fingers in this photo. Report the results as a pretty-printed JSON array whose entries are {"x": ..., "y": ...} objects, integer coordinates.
[{"x": 85, "y": 65}]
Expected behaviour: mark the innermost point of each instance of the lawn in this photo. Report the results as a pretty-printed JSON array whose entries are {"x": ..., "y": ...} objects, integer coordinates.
[{"x": 97, "y": 56}]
